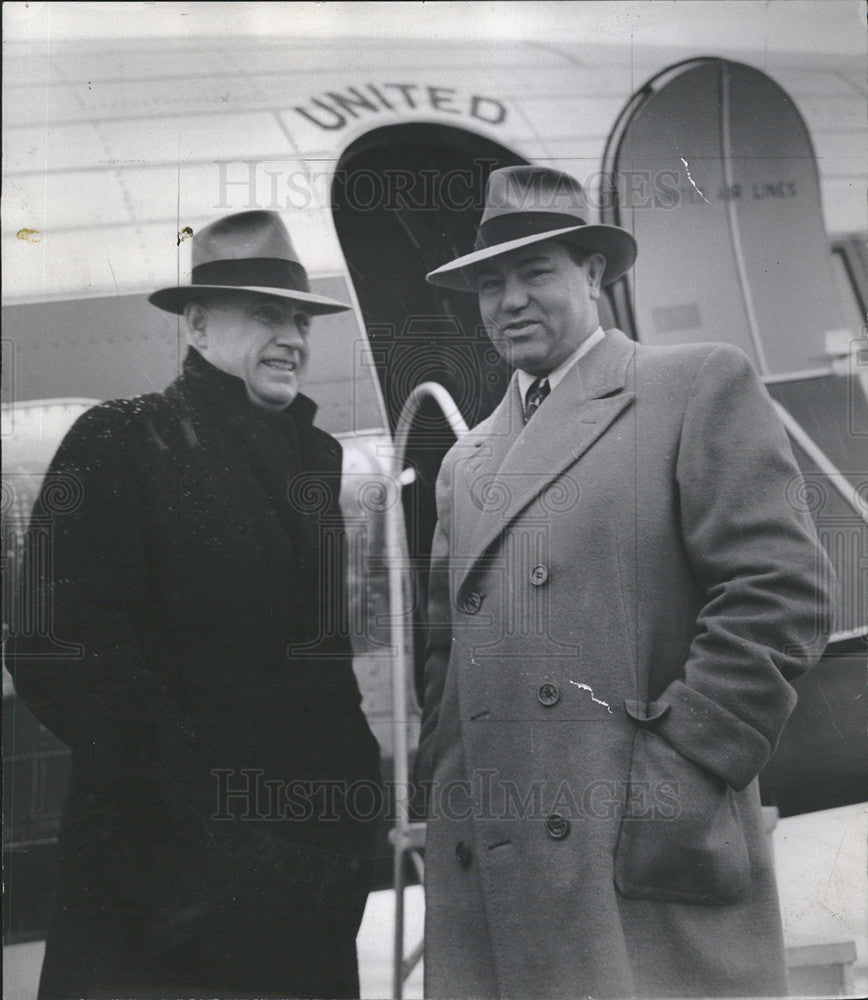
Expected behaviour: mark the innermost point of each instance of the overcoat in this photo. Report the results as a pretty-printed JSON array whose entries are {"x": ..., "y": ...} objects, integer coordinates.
[
  {"x": 620, "y": 593},
  {"x": 186, "y": 556}
]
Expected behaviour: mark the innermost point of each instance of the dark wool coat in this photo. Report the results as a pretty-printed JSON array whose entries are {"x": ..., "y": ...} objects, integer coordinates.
[
  {"x": 620, "y": 593},
  {"x": 193, "y": 643}
]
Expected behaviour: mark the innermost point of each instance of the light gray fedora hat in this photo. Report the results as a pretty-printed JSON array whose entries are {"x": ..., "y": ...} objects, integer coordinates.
[
  {"x": 246, "y": 252},
  {"x": 528, "y": 204}
]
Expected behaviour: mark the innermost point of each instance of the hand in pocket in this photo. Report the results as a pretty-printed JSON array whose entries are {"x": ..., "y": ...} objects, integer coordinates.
[{"x": 685, "y": 842}]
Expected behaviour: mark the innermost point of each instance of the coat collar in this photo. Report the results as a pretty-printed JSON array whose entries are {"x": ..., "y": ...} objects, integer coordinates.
[
  {"x": 513, "y": 464},
  {"x": 214, "y": 409},
  {"x": 228, "y": 392}
]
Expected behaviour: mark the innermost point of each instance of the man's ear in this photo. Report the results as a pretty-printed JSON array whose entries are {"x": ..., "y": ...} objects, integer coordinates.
[
  {"x": 596, "y": 266},
  {"x": 196, "y": 318}
]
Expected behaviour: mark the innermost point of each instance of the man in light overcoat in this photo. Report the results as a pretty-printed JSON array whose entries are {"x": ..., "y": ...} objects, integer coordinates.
[{"x": 623, "y": 586}]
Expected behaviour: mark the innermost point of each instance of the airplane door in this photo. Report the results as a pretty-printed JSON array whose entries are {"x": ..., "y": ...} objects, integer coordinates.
[
  {"x": 407, "y": 198},
  {"x": 718, "y": 182}
]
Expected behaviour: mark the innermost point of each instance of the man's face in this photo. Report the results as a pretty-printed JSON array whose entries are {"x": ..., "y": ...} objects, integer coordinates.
[
  {"x": 538, "y": 305},
  {"x": 259, "y": 339}
]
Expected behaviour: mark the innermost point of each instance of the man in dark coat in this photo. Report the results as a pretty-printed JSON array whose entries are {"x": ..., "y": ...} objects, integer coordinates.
[
  {"x": 623, "y": 584},
  {"x": 187, "y": 552}
]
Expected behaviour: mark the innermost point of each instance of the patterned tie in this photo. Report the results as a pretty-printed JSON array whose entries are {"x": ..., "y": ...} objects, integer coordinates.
[{"x": 537, "y": 392}]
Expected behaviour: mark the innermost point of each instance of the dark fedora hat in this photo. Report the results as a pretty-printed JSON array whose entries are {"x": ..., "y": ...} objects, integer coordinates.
[
  {"x": 529, "y": 204},
  {"x": 246, "y": 252}
]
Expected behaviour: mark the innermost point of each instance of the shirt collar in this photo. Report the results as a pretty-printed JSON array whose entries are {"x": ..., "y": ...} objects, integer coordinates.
[{"x": 525, "y": 380}]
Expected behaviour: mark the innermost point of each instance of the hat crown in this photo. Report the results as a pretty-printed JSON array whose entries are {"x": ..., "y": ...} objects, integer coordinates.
[
  {"x": 527, "y": 204},
  {"x": 255, "y": 235},
  {"x": 248, "y": 251},
  {"x": 523, "y": 189}
]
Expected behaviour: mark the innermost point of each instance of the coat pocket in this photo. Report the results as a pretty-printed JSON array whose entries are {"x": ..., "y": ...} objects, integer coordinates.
[{"x": 681, "y": 838}]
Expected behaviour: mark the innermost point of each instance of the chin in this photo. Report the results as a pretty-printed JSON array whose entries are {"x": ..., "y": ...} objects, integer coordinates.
[
  {"x": 270, "y": 401},
  {"x": 531, "y": 364}
]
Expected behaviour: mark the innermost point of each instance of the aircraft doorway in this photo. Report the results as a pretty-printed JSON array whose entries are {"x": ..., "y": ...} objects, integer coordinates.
[{"x": 407, "y": 198}]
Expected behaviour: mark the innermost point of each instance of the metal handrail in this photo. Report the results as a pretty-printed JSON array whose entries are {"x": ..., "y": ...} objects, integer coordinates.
[
  {"x": 837, "y": 478},
  {"x": 448, "y": 406},
  {"x": 402, "y": 838}
]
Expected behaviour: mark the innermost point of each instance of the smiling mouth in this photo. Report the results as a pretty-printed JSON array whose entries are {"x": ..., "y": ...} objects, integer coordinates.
[
  {"x": 519, "y": 327},
  {"x": 281, "y": 364}
]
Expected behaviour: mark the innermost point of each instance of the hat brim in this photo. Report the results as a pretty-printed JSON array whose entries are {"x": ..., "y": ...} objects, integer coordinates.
[
  {"x": 173, "y": 300},
  {"x": 615, "y": 244}
]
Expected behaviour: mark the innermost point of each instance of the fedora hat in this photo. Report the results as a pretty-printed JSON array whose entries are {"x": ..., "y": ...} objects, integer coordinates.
[
  {"x": 528, "y": 204},
  {"x": 246, "y": 252}
]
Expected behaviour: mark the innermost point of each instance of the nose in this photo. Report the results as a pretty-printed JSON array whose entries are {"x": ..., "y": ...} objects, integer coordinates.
[
  {"x": 514, "y": 297},
  {"x": 288, "y": 334}
]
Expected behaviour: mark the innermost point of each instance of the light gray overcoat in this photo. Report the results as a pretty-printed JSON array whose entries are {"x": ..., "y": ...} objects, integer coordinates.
[{"x": 620, "y": 594}]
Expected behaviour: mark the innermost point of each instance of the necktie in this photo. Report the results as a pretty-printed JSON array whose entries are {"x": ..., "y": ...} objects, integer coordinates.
[{"x": 537, "y": 392}]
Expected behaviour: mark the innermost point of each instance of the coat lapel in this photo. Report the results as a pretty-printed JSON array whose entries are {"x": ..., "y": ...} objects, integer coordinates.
[
  {"x": 491, "y": 442},
  {"x": 520, "y": 462}
]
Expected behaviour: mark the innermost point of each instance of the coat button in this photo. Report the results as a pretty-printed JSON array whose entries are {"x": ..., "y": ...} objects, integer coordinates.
[
  {"x": 548, "y": 694},
  {"x": 463, "y": 853},
  {"x": 472, "y": 603},
  {"x": 557, "y": 826},
  {"x": 539, "y": 575}
]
